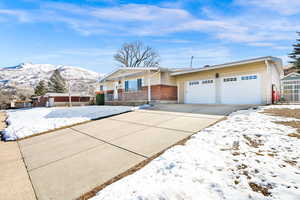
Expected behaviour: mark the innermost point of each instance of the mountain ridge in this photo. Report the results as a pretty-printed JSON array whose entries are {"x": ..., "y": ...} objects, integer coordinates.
[{"x": 26, "y": 76}]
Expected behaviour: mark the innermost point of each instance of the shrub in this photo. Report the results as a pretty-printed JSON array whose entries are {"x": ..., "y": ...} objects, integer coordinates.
[{"x": 100, "y": 99}]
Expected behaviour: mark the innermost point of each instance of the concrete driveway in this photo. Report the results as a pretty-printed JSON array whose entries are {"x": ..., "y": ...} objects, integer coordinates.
[
  {"x": 209, "y": 109},
  {"x": 70, "y": 162}
]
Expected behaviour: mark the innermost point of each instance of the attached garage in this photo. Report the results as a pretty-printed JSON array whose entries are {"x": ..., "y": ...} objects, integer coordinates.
[
  {"x": 244, "y": 89},
  {"x": 200, "y": 92},
  {"x": 243, "y": 82}
]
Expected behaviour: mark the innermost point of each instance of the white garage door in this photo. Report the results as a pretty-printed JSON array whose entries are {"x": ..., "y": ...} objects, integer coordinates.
[
  {"x": 200, "y": 92},
  {"x": 244, "y": 89}
]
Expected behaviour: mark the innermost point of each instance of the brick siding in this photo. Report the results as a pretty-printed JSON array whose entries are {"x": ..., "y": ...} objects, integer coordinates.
[{"x": 158, "y": 92}]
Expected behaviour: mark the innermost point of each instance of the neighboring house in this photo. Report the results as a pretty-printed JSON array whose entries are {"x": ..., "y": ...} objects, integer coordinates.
[
  {"x": 290, "y": 69},
  {"x": 62, "y": 99},
  {"x": 140, "y": 85},
  {"x": 20, "y": 104},
  {"x": 290, "y": 87},
  {"x": 253, "y": 81}
]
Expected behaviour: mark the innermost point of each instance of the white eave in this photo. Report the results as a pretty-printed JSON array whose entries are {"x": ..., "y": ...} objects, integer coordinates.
[
  {"x": 141, "y": 69},
  {"x": 230, "y": 64}
]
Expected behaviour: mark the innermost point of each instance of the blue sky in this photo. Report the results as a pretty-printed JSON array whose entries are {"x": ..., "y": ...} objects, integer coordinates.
[{"x": 87, "y": 33}]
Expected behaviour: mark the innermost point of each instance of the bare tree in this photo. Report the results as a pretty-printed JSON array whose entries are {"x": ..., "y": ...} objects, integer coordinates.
[{"x": 136, "y": 54}]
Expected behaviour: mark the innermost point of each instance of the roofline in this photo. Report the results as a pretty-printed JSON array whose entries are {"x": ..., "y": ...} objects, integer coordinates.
[
  {"x": 135, "y": 68},
  {"x": 293, "y": 73},
  {"x": 229, "y": 64}
]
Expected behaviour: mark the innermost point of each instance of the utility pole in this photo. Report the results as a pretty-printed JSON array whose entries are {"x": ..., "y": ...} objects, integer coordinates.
[
  {"x": 70, "y": 88},
  {"x": 149, "y": 87},
  {"x": 70, "y": 98},
  {"x": 191, "y": 65}
]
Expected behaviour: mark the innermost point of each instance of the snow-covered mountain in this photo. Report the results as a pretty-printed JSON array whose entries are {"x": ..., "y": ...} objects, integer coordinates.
[{"x": 27, "y": 75}]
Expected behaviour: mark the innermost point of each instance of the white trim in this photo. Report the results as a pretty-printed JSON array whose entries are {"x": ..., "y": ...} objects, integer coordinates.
[
  {"x": 242, "y": 62},
  {"x": 290, "y": 74},
  {"x": 136, "y": 68}
]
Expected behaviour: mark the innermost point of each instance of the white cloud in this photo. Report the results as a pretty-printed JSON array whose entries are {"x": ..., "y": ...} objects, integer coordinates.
[
  {"x": 180, "y": 57},
  {"x": 89, "y": 52},
  {"x": 250, "y": 27},
  {"x": 285, "y": 59},
  {"x": 177, "y": 41},
  {"x": 143, "y": 13},
  {"x": 151, "y": 20},
  {"x": 261, "y": 44},
  {"x": 271, "y": 45},
  {"x": 21, "y": 15},
  {"x": 285, "y": 7},
  {"x": 92, "y": 58}
]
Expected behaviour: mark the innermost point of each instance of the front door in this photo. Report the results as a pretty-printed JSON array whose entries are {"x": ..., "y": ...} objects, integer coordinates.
[{"x": 116, "y": 90}]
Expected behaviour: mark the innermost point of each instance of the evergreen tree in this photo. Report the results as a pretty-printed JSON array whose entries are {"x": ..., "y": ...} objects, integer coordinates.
[
  {"x": 57, "y": 83},
  {"x": 295, "y": 55},
  {"x": 40, "y": 89}
]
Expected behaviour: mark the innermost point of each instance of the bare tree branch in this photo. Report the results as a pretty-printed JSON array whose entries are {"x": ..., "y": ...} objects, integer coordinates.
[{"x": 136, "y": 54}]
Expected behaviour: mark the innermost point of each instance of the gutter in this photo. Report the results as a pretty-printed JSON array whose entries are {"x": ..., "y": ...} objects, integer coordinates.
[{"x": 269, "y": 58}]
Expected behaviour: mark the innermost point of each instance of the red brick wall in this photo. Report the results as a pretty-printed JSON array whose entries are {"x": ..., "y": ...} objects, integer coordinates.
[
  {"x": 163, "y": 92},
  {"x": 158, "y": 92},
  {"x": 109, "y": 91},
  {"x": 74, "y": 99}
]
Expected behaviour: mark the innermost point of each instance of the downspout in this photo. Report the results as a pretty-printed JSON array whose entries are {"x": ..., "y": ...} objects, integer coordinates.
[{"x": 269, "y": 77}]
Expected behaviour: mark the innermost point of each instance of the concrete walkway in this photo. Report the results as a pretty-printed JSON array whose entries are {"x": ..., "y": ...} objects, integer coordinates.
[
  {"x": 14, "y": 180},
  {"x": 68, "y": 163}
]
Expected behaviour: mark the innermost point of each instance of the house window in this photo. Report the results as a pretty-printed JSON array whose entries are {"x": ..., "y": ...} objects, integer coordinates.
[
  {"x": 133, "y": 85},
  {"x": 244, "y": 78},
  {"x": 101, "y": 87},
  {"x": 139, "y": 84},
  {"x": 229, "y": 79},
  {"x": 207, "y": 81},
  {"x": 191, "y": 83}
]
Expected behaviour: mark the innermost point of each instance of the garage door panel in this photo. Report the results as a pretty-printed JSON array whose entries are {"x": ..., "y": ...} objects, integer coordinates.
[
  {"x": 200, "y": 91},
  {"x": 244, "y": 89}
]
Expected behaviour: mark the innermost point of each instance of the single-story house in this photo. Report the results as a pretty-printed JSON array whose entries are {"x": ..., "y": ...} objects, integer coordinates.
[
  {"x": 140, "y": 85},
  {"x": 20, "y": 104},
  {"x": 252, "y": 81},
  {"x": 290, "y": 87},
  {"x": 62, "y": 99},
  {"x": 288, "y": 69}
]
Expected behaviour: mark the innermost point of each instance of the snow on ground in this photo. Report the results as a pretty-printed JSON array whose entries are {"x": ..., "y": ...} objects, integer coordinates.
[
  {"x": 26, "y": 122},
  {"x": 230, "y": 160}
]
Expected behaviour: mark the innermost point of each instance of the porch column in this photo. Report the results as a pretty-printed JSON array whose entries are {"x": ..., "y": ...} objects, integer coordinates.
[{"x": 149, "y": 87}]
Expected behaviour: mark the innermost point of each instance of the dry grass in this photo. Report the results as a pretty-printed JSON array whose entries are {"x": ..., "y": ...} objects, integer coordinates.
[
  {"x": 291, "y": 162},
  {"x": 253, "y": 142},
  {"x": 294, "y": 124},
  {"x": 261, "y": 189},
  {"x": 283, "y": 112},
  {"x": 291, "y": 113}
]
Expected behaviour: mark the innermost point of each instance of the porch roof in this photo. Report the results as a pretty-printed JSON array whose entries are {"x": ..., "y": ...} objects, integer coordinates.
[
  {"x": 291, "y": 76},
  {"x": 136, "y": 71}
]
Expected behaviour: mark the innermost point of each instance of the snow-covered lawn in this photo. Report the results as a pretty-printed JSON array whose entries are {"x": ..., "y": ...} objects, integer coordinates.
[
  {"x": 244, "y": 157},
  {"x": 26, "y": 122}
]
